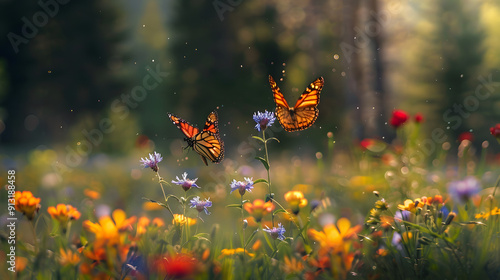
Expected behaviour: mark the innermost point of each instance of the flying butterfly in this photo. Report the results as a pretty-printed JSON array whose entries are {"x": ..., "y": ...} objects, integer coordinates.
[
  {"x": 304, "y": 113},
  {"x": 207, "y": 142}
]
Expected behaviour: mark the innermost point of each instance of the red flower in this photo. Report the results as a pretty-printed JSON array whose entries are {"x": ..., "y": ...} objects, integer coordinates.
[
  {"x": 419, "y": 118},
  {"x": 495, "y": 131},
  {"x": 399, "y": 117},
  {"x": 465, "y": 136},
  {"x": 180, "y": 266},
  {"x": 367, "y": 143}
]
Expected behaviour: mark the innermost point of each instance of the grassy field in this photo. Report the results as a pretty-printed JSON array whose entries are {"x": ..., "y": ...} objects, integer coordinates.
[{"x": 375, "y": 211}]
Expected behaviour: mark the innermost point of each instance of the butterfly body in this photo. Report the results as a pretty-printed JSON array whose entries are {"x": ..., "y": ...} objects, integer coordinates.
[
  {"x": 207, "y": 142},
  {"x": 305, "y": 111}
]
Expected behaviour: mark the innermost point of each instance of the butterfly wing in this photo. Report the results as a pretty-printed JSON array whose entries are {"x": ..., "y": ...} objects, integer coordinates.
[
  {"x": 186, "y": 128},
  {"x": 212, "y": 123},
  {"x": 305, "y": 111},
  {"x": 282, "y": 108},
  {"x": 209, "y": 145}
]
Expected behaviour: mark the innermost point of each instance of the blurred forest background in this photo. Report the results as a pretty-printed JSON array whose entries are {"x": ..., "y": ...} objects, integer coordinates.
[{"x": 83, "y": 57}]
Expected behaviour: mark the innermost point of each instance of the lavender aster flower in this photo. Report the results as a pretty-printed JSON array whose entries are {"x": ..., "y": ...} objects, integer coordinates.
[
  {"x": 185, "y": 183},
  {"x": 397, "y": 243},
  {"x": 242, "y": 187},
  {"x": 263, "y": 120},
  {"x": 403, "y": 215},
  {"x": 201, "y": 205},
  {"x": 152, "y": 161},
  {"x": 276, "y": 232},
  {"x": 462, "y": 191}
]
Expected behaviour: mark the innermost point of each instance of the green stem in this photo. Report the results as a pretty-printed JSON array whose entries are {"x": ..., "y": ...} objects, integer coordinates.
[
  {"x": 160, "y": 180},
  {"x": 34, "y": 237},
  {"x": 267, "y": 160},
  {"x": 497, "y": 183},
  {"x": 186, "y": 224},
  {"x": 268, "y": 173},
  {"x": 243, "y": 228},
  {"x": 293, "y": 221}
]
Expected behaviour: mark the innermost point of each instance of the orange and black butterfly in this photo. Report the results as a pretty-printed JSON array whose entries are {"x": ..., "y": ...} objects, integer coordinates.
[
  {"x": 207, "y": 143},
  {"x": 304, "y": 113}
]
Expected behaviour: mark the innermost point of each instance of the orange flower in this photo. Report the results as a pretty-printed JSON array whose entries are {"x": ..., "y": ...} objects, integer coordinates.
[
  {"x": 63, "y": 213},
  {"x": 27, "y": 204},
  {"x": 21, "y": 263},
  {"x": 296, "y": 200},
  {"x": 107, "y": 231},
  {"x": 158, "y": 222},
  {"x": 121, "y": 221},
  {"x": 382, "y": 252},
  {"x": 292, "y": 266},
  {"x": 332, "y": 237},
  {"x": 386, "y": 221},
  {"x": 180, "y": 220},
  {"x": 438, "y": 199},
  {"x": 151, "y": 206},
  {"x": 259, "y": 208},
  {"x": 68, "y": 257},
  {"x": 256, "y": 245},
  {"x": 91, "y": 194},
  {"x": 141, "y": 225}
]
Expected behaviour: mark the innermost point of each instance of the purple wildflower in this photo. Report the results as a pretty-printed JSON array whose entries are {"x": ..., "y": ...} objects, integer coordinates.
[
  {"x": 263, "y": 120},
  {"x": 201, "y": 205},
  {"x": 185, "y": 183},
  {"x": 462, "y": 191},
  {"x": 402, "y": 215},
  {"x": 242, "y": 187},
  {"x": 152, "y": 161},
  {"x": 276, "y": 232}
]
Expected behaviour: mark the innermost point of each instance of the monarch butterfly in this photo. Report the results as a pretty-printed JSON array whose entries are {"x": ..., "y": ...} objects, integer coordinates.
[
  {"x": 207, "y": 143},
  {"x": 305, "y": 111}
]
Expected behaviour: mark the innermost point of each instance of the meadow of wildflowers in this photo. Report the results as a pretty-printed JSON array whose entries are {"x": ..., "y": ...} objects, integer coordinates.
[{"x": 379, "y": 211}]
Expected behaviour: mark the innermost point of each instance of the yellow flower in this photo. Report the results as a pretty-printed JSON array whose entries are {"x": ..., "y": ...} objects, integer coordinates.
[
  {"x": 296, "y": 200},
  {"x": 68, "y": 257},
  {"x": 493, "y": 212},
  {"x": 63, "y": 213},
  {"x": 258, "y": 209},
  {"x": 121, "y": 221},
  {"x": 231, "y": 252},
  {"x": 181, "y": 220},
  {"x": 333, "y": 237},
  {"x": 411, "y": 206},
  {"x": 27, "y": 204}
]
